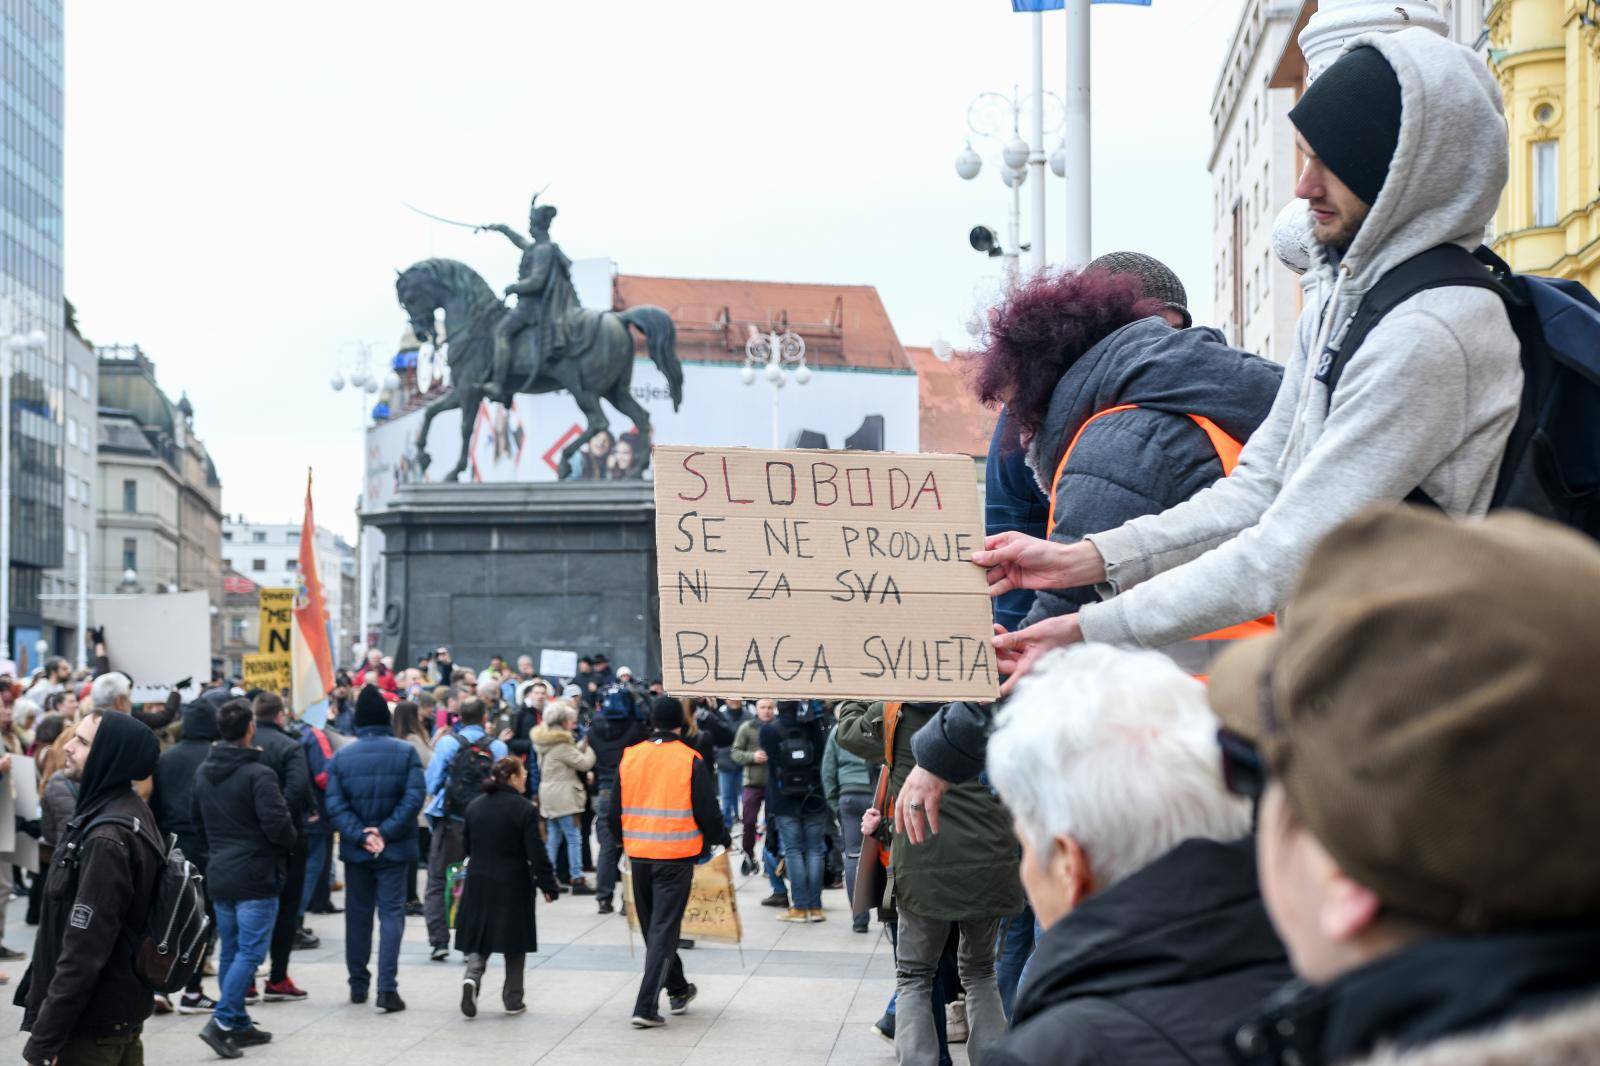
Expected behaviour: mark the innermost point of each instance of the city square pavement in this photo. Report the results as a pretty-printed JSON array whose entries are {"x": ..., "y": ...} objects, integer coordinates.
[{"x": 800, "y": 995}]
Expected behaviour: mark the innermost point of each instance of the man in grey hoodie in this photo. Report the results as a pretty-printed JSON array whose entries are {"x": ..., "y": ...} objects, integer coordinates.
[{"x": 1406, "y": 150}]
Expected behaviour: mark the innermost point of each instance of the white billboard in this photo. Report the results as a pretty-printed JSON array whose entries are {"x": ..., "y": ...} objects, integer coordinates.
[{"x": 864, "y": 410}]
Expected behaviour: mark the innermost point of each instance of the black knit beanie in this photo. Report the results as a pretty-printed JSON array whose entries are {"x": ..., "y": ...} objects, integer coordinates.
[
  {"x": 371, "y": 708},
  {"x": 1350, "y": 116},
  {"x": 666, "y": 713}
]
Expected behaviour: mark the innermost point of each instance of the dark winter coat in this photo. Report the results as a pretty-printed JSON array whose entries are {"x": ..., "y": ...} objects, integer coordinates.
[
  {"x": 608, "y": 739},
  {"x": 1125, "y": 465},
  {"x": 173, "y": 786},
  {"x": 967, "y": 870},
  {"x": 722, "y": 724},
  {"x": 55, "y": 809},
  {"x": 282, "y": 751},
  {"x": 507, "y": 867},
  {"x": 81, "y": 982},
  {"x": 317, "y": 770},
  {"x": 376, "y": 781},
  {"x": 1145, "y": 970},
  {"x": 249, "y": 832},
  {"x": 1529, "y": 998},
  {"x": 1012, "y": 501}
]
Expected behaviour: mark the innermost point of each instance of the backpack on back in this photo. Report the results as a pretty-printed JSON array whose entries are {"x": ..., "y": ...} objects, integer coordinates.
[
  {"x": 798, "y": 770},
  {"x": 469, "y": 768},
  {"x": 1551, "y": 466},
  {"x": 169, "y": 949}
]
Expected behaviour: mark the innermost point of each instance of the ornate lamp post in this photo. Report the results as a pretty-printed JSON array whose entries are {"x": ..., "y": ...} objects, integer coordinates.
[
  {"x": 989, "y": 116},
  {"x": 776, "y": 353}
]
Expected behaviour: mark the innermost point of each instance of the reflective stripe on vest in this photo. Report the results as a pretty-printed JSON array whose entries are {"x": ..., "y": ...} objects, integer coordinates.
[
  {"x": 1227, "y": 450},
  {"x": 658, "y": 811}
]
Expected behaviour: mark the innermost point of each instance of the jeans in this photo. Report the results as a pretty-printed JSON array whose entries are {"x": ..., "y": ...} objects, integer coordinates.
[
  {"x": 610, "y": 847},
  {"x": 940, "y": 998},
  {"x": 565, "y": 828},
  {"x": 511, "y": 991},
  {"x": 1014, "y": 948},
  {"x": 921, "y": 942},
  {"x": 288, "y": 921},
  {"x": 317, "y": 848},
  {"x": 852, "y": 805},
  {"x": 753, "y": 798},
  {"x": 660, "y": 894},
  {"x": 447, "y": 848},
  {"x": 803, "y": 847},
  {"x": 769, "y": 866},
  {"x": 730, "y": 785},
  {"x": 378, "y": 885},
  {"x": 245, "y": 928}
]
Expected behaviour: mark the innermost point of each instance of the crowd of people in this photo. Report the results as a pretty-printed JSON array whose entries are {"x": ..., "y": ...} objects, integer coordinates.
[{"x": 1291, "y": 768}]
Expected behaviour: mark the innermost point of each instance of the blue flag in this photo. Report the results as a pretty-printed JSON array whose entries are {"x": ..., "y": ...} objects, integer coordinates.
[{"x": 1056, "y": 5}]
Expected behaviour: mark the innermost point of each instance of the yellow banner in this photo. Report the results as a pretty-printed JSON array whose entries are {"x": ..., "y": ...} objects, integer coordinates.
[
  {"x": 269, "y": 672},
  {"x": 277, "y": 620}
]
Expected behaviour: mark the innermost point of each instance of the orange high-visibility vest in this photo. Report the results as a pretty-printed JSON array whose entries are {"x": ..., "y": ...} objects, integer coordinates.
[
  {"x": 1227, "y": 450},
  {"x": 658, "y": 812}
]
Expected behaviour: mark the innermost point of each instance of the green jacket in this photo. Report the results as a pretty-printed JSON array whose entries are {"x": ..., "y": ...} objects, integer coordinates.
[
  {"x": 843, "y": 771},
  {"x": 968, "y": 870},
  {"x": 746, "y": 742}
]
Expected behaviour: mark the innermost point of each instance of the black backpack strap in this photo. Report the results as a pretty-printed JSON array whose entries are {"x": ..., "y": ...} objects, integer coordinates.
[{"x": 1445, "y": 265}]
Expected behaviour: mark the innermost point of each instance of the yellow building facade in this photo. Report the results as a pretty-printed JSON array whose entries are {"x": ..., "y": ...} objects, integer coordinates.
[{"x": 1546, "y": 56}]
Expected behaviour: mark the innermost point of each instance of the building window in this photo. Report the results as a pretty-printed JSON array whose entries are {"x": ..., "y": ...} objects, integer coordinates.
[
  {"x": 72, "y": 488},
  {"x": 130, "y": 554},
  {"x": 227, "y": 536},
  {"x": 72, "y": 541},
  {"x": 294, "y": 536},
  {"x": 258, "y": 564},
  {"x": 258, "y": 537},
  {"x": 236, "y": 630},
  {"x": 292, "y": 565},
  {"x": 1544, "y": 182},
  {"x": 130, "y": 496}
]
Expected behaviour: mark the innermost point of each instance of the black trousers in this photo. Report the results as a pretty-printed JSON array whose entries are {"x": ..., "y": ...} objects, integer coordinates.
[
  {"x": 288, "y": 923},
  {"x": 660, "y": 896}
]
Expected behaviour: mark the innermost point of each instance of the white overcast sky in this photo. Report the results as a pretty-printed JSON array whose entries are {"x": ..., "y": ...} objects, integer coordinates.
[{"x": 234, "y": 172}]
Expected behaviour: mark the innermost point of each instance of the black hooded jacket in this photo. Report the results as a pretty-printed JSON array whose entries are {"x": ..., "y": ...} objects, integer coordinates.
[
  {"x": 1149, "y": 970},
  {"x": 81, "y": 982},
  {"x": 174, "y": 779},
  {"x": 248, "y": 828},
  {"x": 608, "y": 738}
]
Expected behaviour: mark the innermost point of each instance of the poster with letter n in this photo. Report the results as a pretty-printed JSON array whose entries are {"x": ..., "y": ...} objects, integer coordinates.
[{"x": 821, "y": 574}]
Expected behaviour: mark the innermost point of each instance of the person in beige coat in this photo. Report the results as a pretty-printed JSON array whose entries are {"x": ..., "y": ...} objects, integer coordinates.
[{"x": 563, "y": 760}]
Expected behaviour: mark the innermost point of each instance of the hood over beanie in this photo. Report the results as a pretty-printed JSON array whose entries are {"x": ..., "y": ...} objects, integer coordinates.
[
  {"x": 124, "y": 751},
  {"x": 371, "y": 708},
  {"x": 200, "y": 720},
  {"x": 1350, "y": 116}
]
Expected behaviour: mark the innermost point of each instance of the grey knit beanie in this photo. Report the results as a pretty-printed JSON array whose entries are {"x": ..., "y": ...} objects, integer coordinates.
[{"x": 1159, "y": 282}]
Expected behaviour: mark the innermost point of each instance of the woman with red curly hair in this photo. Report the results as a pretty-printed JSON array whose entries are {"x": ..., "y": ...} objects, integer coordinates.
[{"x": 1062, "y": 349}]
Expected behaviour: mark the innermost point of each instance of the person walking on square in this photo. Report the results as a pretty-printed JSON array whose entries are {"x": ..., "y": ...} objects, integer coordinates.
[
  {"x": 249, "y": 835},
  {"x": 666, "y": 813},
  {"x": 506, "y": 864},
  {"x": 374, "y": 794},
  {"x": 461, "y": 763}
]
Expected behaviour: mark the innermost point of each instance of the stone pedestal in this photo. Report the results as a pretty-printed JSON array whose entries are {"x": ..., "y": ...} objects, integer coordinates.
[{"x": 511, "y": 568}]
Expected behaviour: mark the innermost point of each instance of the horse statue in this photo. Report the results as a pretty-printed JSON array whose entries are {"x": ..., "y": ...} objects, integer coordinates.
[{"x": 597, "y": 362}]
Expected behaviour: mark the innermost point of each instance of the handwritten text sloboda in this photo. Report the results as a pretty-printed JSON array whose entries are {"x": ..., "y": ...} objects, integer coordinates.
[{"x": 818, "y": 573}]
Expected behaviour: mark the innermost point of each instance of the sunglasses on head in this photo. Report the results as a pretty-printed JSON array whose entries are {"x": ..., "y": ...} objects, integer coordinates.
[{"x": 1244, "y": 772}]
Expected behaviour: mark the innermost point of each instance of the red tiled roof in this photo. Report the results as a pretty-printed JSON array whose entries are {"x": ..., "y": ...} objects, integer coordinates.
[
  {"x": 953, "y": 421},
  {"x": 843, "y": 325}
]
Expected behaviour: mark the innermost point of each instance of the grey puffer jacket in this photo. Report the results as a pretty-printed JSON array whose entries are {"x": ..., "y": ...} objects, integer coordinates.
[{"x": 1127, "y": 464}]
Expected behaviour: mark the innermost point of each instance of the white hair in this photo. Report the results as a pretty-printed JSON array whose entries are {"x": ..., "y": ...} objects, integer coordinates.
[
  {"x": 558, "y": 713},
  {"x": 1118, "y": 750},
  {"x": 108, "y": 688},
  {"x": 489, "y": 689}
]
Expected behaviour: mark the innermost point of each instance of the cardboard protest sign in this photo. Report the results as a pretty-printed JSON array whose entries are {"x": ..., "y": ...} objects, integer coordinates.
[
  {"x": 821, "y": 574},
  {"x": 269, "y": 672},
  {"x": 277, "y": 621},
  {"x": 713, "y": 910}
]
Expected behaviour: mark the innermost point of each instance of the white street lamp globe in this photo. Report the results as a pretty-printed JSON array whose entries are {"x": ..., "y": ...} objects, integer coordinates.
[
  {"x": 777, "y": 382},
  {"x": 968, "y": 163},
  {"x": 130, "y": 576},
  {"x": 1015, "y": 153},
  {"x": 369, "y": 384},
  {"x": 336, "y": 383},
  {"x": 802, "y": 374},
  {"x": 1058, "y": 162},
  {"x": 1013, "y": 177},
  {"x": 391, "y": 381},
  {"x": 748, "y": 375},
  {"x": 775, "y": 374}
]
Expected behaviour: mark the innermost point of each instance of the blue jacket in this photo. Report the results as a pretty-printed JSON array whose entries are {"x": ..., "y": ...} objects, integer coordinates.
[
  {"x": 317, "y": 764},
  {"x": 376, "y": 781},
  {"x": 1011, "y": 500},
  {"x": 444, "y": 754}
]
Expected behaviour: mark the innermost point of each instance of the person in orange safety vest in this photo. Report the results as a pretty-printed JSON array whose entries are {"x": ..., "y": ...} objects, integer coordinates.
[{"x": 665, "y": 812}]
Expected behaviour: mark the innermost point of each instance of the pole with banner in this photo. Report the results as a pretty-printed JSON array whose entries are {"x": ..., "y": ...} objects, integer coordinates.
[{"x": 310, "y": 654}]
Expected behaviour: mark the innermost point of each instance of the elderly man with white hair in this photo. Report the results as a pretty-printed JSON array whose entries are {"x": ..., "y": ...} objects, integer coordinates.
[{"x": 1137, "y": 862}]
